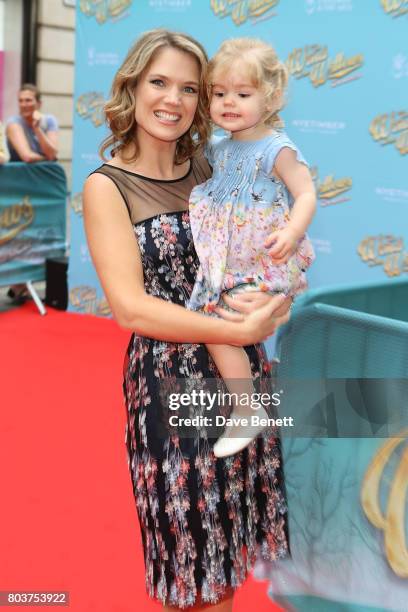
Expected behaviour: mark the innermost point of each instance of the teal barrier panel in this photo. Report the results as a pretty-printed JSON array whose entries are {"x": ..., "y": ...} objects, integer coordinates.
[
  {"x": 347, "y": 495},
  {"x": 387, "y": 299},
  {"x": 324, "y": 341},
  {"x": 32, "y": 219}
]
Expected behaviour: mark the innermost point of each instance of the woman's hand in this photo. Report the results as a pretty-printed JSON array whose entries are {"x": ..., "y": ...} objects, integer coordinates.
[
  {"x": 257, "y": 322},
  {"x": 36, "y": 120},
  {"x": 251, "y": 300}
]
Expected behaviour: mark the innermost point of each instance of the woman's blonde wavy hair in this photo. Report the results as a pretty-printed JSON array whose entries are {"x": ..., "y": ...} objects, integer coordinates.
[
  {"x": 120, "y": 109},
  {"x": 264, "y": 69}
]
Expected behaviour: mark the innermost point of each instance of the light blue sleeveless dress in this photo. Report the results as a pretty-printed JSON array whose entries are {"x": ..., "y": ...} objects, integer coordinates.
[{"x": 231, "y": 216}]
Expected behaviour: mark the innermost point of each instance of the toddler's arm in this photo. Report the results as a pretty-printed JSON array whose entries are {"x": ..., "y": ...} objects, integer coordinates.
[{"x": 299, "y": 182}]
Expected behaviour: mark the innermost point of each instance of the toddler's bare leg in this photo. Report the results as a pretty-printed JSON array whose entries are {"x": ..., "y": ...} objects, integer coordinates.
[{"x": 234, "y": 367}]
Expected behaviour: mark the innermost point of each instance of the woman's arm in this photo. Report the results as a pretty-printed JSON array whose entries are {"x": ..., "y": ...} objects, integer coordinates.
[
  {"x": 47, "y": 141},
  {"x": 17, "y": 138},
  {"x": 117, "y": 260}
]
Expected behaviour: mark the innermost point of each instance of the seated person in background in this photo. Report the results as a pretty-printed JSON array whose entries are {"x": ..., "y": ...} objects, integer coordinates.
[{"x": 31, "y": 136}]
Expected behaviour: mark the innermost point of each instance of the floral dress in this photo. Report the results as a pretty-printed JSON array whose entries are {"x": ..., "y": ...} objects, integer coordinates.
[
  {"x": 203, "y": 520},
  {"x": 234, "y": 212}
]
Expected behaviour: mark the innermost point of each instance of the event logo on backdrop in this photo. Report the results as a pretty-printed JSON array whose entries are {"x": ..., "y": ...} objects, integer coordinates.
[
  {"x": 392, "y": 521},
  {"x": 391, "y": 128},
  {"x": 395, "y": 8},
  {"x": 240, "y": 11},
  {"x": 102, "y": 58},
  {"x": 319, "y": 126},
  {"x": 90, "y": 106},
  {"x": 319, "y": 6},
  {"x": 392, "y": 194},
  {"x": 83, "y": 299},
  {"x": 330, "y": 188},
  {"x": 170, "y": 5},
  {"x": 313, "y": 61},
  {"x": 385, "y": 250},
  {"x": 15, "y": 218},
  {"x": 104, "y": 10}
]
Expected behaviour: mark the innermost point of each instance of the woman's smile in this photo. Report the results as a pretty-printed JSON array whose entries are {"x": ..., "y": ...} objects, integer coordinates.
[{"x": 167, "y": 117}]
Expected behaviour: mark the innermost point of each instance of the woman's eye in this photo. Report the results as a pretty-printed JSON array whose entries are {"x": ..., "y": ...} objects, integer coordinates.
[
  {"x": 190, "y": 90},
  {"x": 157, "y": 82}
]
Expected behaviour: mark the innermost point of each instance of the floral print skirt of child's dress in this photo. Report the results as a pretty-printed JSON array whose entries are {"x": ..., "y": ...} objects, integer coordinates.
[{"x": 203, "y": 520}]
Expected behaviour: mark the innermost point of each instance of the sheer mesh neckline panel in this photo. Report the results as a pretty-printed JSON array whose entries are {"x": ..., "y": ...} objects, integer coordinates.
[{"x": 147, "y": 197}]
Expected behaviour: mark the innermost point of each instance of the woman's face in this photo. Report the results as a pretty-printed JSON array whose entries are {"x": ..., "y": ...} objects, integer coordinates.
[
  {"x": 167, "y": 95},
  {"x": 27, "y": 103}
]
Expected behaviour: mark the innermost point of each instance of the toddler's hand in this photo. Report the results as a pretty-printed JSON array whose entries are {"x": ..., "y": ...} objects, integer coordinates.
[{"x": 284, "y": 243}]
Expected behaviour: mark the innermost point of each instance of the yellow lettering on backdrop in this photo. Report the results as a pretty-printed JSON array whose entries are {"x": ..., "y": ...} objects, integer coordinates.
[
  {"x": 379, "y": 127},
  {"x": 19, "y": 215},
  {"x": 118, "y": 6},
  {"x": 367, "y": 249},
  {"x": 391, "y": 265},
  {"x": 318, "y": 74},
  {"x": 329, "y": 188},
  {"x": 391, "y": 5},
  {"x": 260, "y": 7},
  {"x": 296, "y": 62},
  {"x": 239, "y": 13},
  {"x": 392, "y": 521},
  {"x": 402, "y": 143}
]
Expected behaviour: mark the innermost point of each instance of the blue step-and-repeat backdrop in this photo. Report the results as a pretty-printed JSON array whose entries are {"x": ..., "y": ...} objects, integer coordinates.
[{"x": 347, "y": 110}]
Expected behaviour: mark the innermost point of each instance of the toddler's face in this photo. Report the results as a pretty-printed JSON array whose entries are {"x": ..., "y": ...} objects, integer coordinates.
[{"x": 236, "y": 104}]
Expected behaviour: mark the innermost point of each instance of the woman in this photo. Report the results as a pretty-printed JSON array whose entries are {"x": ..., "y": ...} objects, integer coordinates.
[
  {"x": 31, "y": 136},
  {"x": 200, "y": 518}
]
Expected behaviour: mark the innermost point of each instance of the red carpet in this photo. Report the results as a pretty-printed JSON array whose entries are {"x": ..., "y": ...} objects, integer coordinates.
[{"x": 68, "y": 519}]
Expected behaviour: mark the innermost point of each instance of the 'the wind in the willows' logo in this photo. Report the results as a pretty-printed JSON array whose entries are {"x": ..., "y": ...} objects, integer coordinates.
[
  {"x": 14, "y": 219},
  {"x": 313, "y": 61},
  {"x": 384, "y": 250},
  {"x": 391, "y": 128},
  {"x": 103, "y": 10},
  {"x": 83, "y": 298},
  {"x": 380, "y": 484},
  {"x": 329, "y": 189},
  {"x": 242, "y": 10},
  {"x": 90, "y": 106},
  {"x": 395, "y": 8}
]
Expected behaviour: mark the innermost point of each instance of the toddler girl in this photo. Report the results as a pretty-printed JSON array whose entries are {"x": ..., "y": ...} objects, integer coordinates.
[{"x": 249, "y": 220}]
